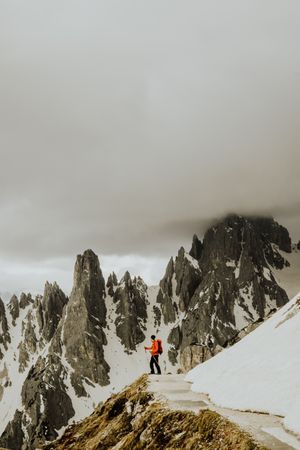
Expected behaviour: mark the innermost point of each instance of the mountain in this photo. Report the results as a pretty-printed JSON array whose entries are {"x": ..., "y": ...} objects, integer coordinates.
[
  {"x": 230, "y": 284},
  {"x": 261, "y": 372},
  {"x": 60, "y": 356}
]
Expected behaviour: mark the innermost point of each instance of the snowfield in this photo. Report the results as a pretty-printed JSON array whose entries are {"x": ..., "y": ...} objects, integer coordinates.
[{"x": 261, "y": 372}]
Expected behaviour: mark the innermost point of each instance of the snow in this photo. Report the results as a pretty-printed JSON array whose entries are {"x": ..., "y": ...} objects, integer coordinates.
[
  {"x": 9, "y": 370},
  {"x": 246, "y": 295},
  {"x": 259, "y": 373},
  {"x": 230, "y": 263},
  {"x": 284, "y": 437},
  {"x": 240, "y": 316},
  {"x": 267, "y": 274},
  {"x": 192, "y": 260}
]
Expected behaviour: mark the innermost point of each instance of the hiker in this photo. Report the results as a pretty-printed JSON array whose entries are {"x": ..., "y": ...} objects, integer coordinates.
[{"x": 156, "y": 350}]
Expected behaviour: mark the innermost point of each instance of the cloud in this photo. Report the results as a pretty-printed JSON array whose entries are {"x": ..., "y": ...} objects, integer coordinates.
[{"x": 127, "y": 127}]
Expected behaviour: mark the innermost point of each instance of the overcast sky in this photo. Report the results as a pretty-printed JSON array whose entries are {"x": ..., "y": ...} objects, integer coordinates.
[{"x": 126, "y": 126}]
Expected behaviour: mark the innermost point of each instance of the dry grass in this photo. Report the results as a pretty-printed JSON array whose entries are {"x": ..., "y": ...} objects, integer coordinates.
[{"x": 132, "y": 420}]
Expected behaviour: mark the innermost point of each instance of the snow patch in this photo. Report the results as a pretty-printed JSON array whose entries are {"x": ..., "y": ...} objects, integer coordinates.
[{"x": 259, "y": 373}]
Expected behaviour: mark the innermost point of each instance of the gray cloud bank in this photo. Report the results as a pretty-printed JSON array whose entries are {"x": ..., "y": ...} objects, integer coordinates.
[{"x": 127, "y": 126}]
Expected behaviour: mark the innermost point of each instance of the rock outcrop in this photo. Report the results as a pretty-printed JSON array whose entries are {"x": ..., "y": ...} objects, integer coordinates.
[
  {"x": 83, "y": 335},
  {"x": 50, "y": 310},
  {"x": 28, "y": 345},
  {"x": 14, "y": 308},
  {"x": 46, "y": 407},
  {"x": 25, "y": 300},
  {"x": 112, "y": 283},
  {"x": 4, "y": 335},
  {"x": 197, "y": 248},
  {"x": 13, "y": 435},
  {"x": 178, "y": 285},
  {"x": 130, "y": 298},
  {"x": 230, "y": 286}
]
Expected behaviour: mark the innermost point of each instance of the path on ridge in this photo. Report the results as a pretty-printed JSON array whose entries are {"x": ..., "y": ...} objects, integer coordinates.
[{"x": 265, "y": 428}]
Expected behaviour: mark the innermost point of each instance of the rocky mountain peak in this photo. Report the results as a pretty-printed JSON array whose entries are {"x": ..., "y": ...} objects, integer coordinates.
[
  {"x": 25, "y": 300},
  {"x": 229, "y": 286},
  {"x": 4, "y": 331},
  {"x": 197, "y": 247},
  {"x": 112, "y": 283},
  {"x": 14, "y": 308},
  {"x": 86, "y": 308},
  {"x": 126, "y": 280},
  {"x": 51, "y": 309},
  {"x": 87, "y": 273},
  {"x": 178, "y": 285},
  {"x": 131, "y": 310}
]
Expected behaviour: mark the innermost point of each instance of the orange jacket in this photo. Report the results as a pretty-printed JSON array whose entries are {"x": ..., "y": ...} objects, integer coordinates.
[{"x": 154, "y": 348}]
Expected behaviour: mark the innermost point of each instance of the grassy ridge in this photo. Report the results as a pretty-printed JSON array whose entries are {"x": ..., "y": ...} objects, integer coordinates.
[{"x": 134, "y": 420}]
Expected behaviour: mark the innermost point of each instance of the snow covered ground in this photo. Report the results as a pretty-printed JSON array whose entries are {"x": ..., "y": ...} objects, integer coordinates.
[
  {"x": 264, "y": 428},
  {"x": 261, "y": 372}
]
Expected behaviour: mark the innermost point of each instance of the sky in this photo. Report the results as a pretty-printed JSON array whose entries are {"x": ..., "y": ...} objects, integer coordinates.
[{"x": 126, "y": 127}]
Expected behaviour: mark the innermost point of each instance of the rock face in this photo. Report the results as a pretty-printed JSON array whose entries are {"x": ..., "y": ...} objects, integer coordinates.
[
  {"x": 178, "y": 285},
  {"x": 112, "y": 283},
  {"x": 45, "y": 400},
  {"x": 25, "y": 300},
  {"x": 131, "y": 310},
  {"x": 51, "y": 309},
  {"x": 86, "y": 308},
  {"x": 192, "y": 355},
  {"x": 4, "y": 335},
  {"x": 14, "y": 308},
  {"x": 13, "y": 436},
  {"x": 229, "y": 286},
  {"x": 197, "y": 247},
  {"x": 166, "y": 296}
]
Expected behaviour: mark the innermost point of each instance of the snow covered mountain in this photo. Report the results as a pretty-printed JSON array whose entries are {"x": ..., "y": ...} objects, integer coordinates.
[
  {"x": 261, "y": 372},
  {"x": 59, "y": 356}
]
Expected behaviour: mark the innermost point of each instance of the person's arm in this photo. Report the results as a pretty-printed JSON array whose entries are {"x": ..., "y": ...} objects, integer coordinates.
[{"x": 149, "y": 348}]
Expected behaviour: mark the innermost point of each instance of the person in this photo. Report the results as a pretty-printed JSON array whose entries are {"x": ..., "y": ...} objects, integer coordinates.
[{"x": 154, "y": 356}]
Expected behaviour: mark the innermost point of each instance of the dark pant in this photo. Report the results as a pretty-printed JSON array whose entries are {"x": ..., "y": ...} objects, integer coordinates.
[{"x": 154, "y": 362}]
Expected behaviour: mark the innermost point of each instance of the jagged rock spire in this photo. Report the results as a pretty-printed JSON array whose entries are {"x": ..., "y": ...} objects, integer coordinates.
[
  {"x": 14, "y": 308},
  {"x": 51, "y": 309},
  {"x": 4, "y": 335},
  {"x": 131, "y": 311},
  {"x": 25, "y": 300},
  {"x": 197, "y": 247},
  {"x": 112, "y": 283},
  {"x": 83, "y": 334}
]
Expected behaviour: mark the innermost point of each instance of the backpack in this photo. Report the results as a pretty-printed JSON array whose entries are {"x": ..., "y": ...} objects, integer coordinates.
[{"x": 159, "y": 345}]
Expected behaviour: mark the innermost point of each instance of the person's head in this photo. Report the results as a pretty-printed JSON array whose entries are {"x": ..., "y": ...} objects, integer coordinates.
[{"x": 153, "y": 337}]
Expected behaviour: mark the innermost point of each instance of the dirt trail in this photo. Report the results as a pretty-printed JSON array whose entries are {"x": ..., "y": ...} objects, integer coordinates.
[{"x": 264, "y": 428}]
